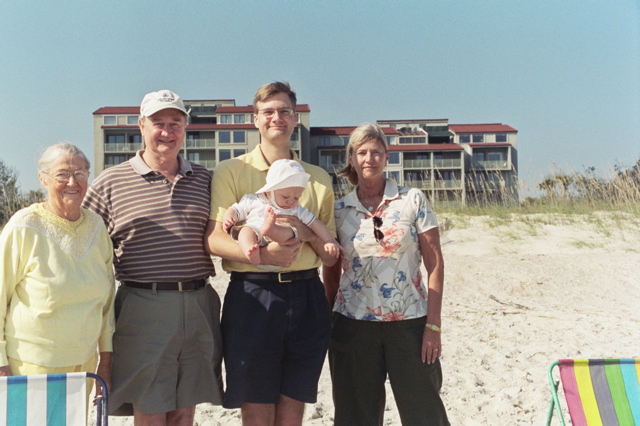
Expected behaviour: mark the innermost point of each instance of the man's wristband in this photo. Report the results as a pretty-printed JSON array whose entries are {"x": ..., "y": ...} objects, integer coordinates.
[{"x": 433, "y": 327}]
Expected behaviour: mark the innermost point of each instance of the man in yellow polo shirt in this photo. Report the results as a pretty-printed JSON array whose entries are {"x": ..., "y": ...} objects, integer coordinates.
[{"x": 276, "y": 325}]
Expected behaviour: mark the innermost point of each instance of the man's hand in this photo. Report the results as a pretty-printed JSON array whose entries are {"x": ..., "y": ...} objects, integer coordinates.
[
  {"x": 280, "y": 254},
  {"x": 304, "y": 232}
]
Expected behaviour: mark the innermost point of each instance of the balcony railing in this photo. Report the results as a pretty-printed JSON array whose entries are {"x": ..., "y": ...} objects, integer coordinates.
[
  {"x": 491, "y": 165},
  {"x": 447, "y": 163},
  {"x": 122, "y": 147},
  {"x": 341, "y": 189},
  {"x": 332, "y": 167},
  {"x": 201, "y": 143},
  {"x": 447, "y": 184},
  {"x": 417, "y": 163},
  {"x": 419, "y": 184},
  {"x": 209, "y": 164}
]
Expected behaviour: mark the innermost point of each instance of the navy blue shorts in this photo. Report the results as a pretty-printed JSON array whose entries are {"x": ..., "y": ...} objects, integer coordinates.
[{"x": 276, "y": 337}]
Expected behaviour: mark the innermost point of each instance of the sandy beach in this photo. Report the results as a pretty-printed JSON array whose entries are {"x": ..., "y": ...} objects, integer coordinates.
[{"x": 519, "y": 293}]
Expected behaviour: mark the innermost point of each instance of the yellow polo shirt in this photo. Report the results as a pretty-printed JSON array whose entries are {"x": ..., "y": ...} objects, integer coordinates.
[{"x": 248, "y": 173}]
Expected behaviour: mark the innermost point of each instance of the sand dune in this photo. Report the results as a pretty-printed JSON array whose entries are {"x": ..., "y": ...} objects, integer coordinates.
[{"x": 519, "y": 293}]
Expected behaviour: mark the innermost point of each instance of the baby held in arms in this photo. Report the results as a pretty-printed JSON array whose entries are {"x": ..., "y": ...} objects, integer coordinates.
[{"x": 286, "y": 181}]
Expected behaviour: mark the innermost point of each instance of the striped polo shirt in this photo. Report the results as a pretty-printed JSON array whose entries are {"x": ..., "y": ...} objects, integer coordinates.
[{"x": 157, "y": 227}]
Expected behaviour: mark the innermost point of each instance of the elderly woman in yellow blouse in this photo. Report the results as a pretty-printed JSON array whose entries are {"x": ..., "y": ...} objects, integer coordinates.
[{"x": 57, "y": 288}]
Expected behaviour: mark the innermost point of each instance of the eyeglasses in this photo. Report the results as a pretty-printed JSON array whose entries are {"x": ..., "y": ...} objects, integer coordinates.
[
  {"x": 377, "y": 223},
  {"x": 62, "y": 177},
  {"x": 282, "y": 112}
]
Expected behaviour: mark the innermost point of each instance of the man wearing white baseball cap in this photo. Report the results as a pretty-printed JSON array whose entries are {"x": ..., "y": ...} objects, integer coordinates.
[
  {"x": 167, "y": 343},
  {"x": 276, "y": 325}
]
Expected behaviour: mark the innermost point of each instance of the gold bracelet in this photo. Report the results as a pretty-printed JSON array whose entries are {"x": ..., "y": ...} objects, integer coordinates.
[{"x": 433, "y": 327}]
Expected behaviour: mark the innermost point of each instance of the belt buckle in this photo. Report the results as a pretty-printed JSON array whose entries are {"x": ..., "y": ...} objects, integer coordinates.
[
  {"x": 281, "y": 280},
  {"x": 180, "y": 286}
]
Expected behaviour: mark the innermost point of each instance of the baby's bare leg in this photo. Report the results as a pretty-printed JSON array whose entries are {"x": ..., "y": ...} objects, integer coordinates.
[
  {"x": 278, "y": 233},
  {"x": 248, "y": 242}
]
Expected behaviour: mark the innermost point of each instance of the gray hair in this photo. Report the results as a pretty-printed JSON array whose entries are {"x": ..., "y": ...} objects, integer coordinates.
[
  {"x": 61, "y": 149},
  {"x": 363, "y": 133}
]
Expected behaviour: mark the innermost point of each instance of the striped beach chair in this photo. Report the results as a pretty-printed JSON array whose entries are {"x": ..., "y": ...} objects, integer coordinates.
[
  {"x": 49, "y": 400},
  {"x": 598, "y": 391}
]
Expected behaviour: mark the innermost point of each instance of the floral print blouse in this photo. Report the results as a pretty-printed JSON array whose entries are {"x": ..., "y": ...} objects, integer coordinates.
[{"x": 382, "y": 280}]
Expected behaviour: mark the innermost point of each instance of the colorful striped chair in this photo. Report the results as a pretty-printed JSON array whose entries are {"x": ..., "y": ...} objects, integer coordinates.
[
  {"x": 51, "y": 400},
  {"x": 598, "y": 391}
]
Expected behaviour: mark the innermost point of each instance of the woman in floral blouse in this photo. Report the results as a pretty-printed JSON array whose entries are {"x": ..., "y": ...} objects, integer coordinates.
[{"x": 385, "y": 320}]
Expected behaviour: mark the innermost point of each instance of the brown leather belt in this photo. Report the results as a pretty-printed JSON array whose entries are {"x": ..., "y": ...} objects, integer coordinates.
[
  {"x": 281, "y": 277},
  {"x": 174, "y": 286}
]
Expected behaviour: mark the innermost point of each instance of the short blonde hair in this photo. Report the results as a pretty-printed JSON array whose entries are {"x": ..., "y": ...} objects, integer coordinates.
[{"x": 363, "y": 133}]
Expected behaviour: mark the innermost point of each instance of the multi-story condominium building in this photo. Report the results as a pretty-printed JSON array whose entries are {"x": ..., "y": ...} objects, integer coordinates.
[
  {"x": 451, "y": 163},
  {"x": 217, "y": 130}
]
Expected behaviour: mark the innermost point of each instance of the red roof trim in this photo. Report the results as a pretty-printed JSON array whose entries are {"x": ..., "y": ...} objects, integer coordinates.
[
  {"x": 425, "y": 147},
  {"x": 231, "y": 109},
  {"x": 118, "y": 110},
  {"x": 481, "y": 128},
  {"x": 188, "y": 101},
  {"x": 346, "y": 131},
  {"x": 489, "y": 144},
  {"x": 413, "y": 120}
]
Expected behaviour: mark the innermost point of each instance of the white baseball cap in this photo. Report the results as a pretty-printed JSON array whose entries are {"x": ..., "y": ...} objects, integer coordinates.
[
  {"x": 162, "y": 99},
  {"x": 285, "y": 174}
]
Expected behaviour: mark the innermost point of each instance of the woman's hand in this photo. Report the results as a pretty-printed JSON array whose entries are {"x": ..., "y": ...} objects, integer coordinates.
[
  {"x": 104, "y": 370},
  {"x": 5, "y": 371},
  {"x": 431, "y": 345}
]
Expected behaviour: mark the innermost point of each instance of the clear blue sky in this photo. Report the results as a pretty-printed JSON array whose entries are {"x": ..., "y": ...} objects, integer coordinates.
[{"x": 566, "y": 74}]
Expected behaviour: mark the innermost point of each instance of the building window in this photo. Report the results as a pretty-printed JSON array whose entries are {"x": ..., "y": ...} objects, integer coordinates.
[
  {"x": 413, "y": 139},
  {"x": 478, "y": 137},
  {"x": 135, "y": 138},
  {"x": 345, "y": 140},
  {"x": 251, "y": 118},
  {"x": 224, "y": 137},
  {"x": 109, "y": 120},
  {"x": 391, "y": 140},
  {"x": 132, "y": 120},
  {"x": 325, "y": 141},
  {"x": 501, "y": 137},
  {"x": 395, "y": 175},
  {"x": 238, "y": 137},
  {"x": 224, "y": 154},
  {"x": 239, "y": 152},
  {"x": 294, "y": 136},
  {"x": 225, "y": 119},
  {"x": 193, "y": 156},
  {"x": 112, "y": 160},
  {"x": 238, "y": 118},
  {"x": 465, "y": 138},
  {"x": 495, "y": 156},
  {"x": 115, "y": 139},
  {"x": 394, "y": 158}
]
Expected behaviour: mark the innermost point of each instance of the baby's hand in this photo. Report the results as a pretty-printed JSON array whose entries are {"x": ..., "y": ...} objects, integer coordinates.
[
  {"x": 333, "y": 248},
  {"x": 230, "y": 218}
]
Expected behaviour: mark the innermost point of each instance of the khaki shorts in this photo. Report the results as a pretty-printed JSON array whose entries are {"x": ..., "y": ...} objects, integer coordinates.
[{"x": 167, "y": 350}]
